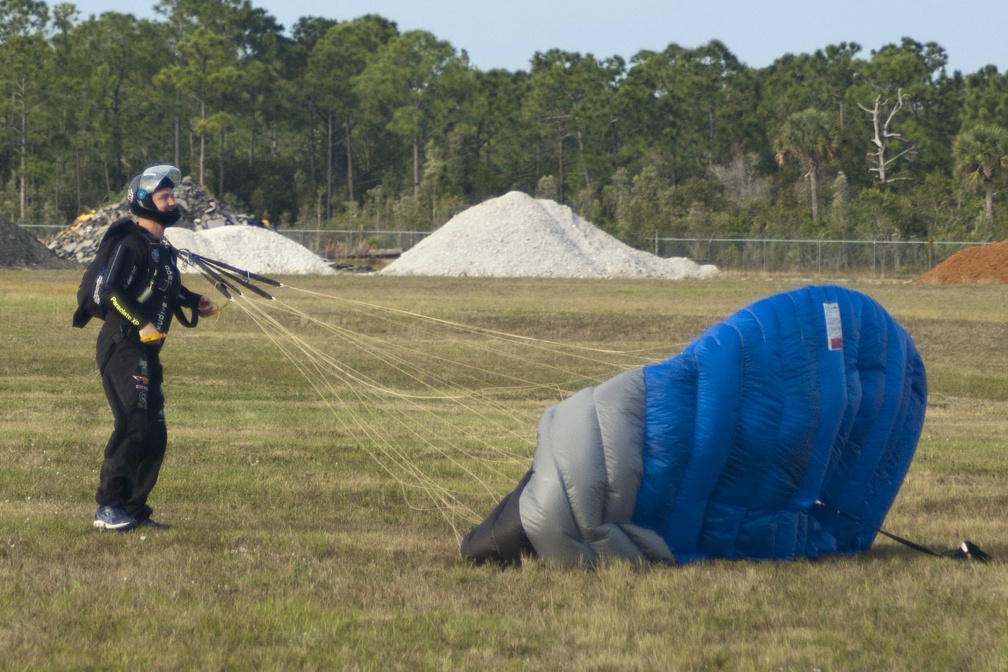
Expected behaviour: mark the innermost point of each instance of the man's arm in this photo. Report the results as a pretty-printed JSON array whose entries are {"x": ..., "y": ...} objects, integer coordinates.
[{"x": 126, "y": 266}]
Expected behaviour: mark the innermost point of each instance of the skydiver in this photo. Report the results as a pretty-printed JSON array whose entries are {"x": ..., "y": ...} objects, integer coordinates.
[{"x": 140, "y": 292}]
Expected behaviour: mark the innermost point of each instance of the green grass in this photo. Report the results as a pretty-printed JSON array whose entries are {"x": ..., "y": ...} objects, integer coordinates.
[{"x": 291, "y": 548}]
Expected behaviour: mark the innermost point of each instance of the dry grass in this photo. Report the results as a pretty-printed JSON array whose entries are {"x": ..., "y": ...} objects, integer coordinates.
[{"x": 292, "y": 549}]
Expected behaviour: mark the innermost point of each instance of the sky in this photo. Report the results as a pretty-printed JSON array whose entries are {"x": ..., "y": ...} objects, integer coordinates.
[{"x": 506, "y": 34}]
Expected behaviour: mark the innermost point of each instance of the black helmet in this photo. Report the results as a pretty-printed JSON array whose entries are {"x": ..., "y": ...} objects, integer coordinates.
[{"x": 142, "y": 188}]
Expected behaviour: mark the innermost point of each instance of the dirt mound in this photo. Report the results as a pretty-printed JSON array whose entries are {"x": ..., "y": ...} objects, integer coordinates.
[
  {"x": 980, "y": 264},
  {"x": 20, "y": 249}
]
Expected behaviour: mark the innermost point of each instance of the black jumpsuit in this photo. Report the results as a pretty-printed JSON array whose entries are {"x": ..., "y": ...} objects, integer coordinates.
[{"x": 142, "y": 285}]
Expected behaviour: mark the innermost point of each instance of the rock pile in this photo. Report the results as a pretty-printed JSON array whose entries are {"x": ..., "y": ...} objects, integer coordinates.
[
  {"x": 517, "y": 236},
  {"x": 199, "y": 211},
  {"x": 980, "y": 264},
  {"x": 20, "y": 249}
]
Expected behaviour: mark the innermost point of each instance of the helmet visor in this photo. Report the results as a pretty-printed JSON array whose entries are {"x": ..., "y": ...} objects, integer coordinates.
[{"x": 155, "y": 178}]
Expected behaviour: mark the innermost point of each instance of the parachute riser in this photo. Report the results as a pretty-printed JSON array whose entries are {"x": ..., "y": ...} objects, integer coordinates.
[{"x": 225, "y": 278}]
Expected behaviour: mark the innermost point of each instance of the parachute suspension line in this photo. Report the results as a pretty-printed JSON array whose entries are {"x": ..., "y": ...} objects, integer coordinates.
[
  {"x": 364, "y": 406},
  {"x": 393, "y": 460},
  {"x": 544, "y": 344},
  {"x": 320, "y": 369},
  {"x": 404, "y": 366},
  {"x": 383, "y": 348},
  {"x": 362, "y": 383}
]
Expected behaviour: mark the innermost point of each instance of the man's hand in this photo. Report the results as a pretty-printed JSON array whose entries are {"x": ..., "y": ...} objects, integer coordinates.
[
  {"x": 206, "y": 307},
  {"x": 149, "y": 334}
]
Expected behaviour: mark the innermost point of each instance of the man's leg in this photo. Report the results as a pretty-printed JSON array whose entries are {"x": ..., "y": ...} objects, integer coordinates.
[{"x": 154, "y": 445}]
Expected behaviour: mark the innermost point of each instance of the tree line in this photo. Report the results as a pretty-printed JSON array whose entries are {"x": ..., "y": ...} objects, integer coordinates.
[{"x": 358, "y": 125}]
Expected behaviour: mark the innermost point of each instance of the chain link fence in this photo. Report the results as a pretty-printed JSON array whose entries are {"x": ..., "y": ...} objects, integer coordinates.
[
  {"x": 882, "y": 258},
  {"x": 329, "y": 241},
  {"x": 42, "y": 231}
]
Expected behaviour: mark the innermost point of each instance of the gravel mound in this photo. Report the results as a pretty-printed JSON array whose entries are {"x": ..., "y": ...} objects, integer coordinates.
[
  {"x": 517, "y": 236},
  {"x": 980, "y": 264},
  {"x": 250, "y": 248}
]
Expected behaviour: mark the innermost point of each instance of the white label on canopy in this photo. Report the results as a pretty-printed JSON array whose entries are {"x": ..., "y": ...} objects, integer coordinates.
[{"x": 834, "y": 327}]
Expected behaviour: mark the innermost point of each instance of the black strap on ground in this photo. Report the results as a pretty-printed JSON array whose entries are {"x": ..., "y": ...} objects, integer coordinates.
[{"x": 966, "y": 551}]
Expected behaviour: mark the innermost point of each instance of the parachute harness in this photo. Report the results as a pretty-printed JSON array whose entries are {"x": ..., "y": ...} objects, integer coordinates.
[{"x": 967, "y": 550}]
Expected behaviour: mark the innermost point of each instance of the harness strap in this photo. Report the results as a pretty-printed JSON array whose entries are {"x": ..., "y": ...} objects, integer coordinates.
[{"x": 187, "y": 322}]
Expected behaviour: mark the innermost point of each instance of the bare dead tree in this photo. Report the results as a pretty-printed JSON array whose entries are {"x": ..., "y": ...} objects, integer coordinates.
[{"x": 882, "y": 156}]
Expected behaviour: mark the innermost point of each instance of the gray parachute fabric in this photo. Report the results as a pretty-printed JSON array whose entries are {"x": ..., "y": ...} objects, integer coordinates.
[
  {"x": 575, "y": 503},
  {"x": 579, "y": 500}
]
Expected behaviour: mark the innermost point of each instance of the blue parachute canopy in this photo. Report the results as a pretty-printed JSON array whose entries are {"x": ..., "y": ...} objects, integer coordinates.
[{"x": 745, "y": 445}]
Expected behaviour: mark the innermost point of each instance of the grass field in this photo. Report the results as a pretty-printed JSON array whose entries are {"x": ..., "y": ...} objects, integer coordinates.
[{"x": 291, "y": 548}]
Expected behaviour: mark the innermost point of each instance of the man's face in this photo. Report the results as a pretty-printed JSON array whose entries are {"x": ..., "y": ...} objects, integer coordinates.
[{"x": 164, "y": 199}]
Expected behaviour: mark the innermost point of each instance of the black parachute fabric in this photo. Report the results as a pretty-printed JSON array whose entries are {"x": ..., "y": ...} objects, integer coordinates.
[{"x": 748, "y": 444}]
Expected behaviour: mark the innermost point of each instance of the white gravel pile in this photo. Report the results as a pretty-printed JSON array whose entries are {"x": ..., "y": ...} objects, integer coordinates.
[
  {"x": 517, "y": 236},
  {"x": 250, "y": 248}
]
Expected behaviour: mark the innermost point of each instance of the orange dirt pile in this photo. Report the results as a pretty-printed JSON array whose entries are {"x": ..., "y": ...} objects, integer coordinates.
[{"x": 980, "y": 264}]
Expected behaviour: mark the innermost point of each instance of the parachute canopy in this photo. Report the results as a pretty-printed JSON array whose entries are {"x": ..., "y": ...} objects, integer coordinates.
[{"x": 748, "y": 444}]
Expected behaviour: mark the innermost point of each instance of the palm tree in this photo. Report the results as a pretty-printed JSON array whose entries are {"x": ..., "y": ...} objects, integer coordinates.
[
  {"x": 981, "y": 154},
  {"x": 808, "y": 138}
]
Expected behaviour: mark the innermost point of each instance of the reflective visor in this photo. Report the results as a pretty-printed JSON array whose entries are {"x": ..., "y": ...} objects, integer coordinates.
[{"x": 155, "y": 177}]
